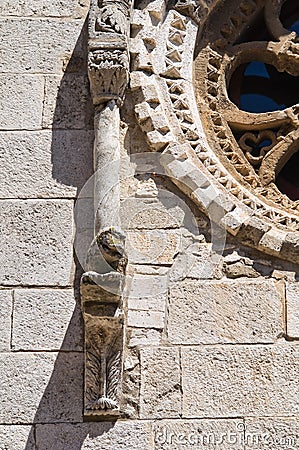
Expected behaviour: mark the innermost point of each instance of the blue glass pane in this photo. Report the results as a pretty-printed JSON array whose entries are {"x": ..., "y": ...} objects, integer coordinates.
[
  {"x": 258, "y": 87},
  {"x": 257, "y": 103},
  {"x": 257, "y": 68}
]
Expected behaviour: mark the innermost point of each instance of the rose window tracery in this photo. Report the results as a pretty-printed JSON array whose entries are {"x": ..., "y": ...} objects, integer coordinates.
[
  {"x": 247, "y": 87},
  {"x": 214, "y": 85}
]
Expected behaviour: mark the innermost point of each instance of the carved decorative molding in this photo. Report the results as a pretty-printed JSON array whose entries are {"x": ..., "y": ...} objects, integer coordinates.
[
  {"x": 108, "y": 74},
  {"x": 108, "y": 59},
  {"x": 179, "y": 101}
]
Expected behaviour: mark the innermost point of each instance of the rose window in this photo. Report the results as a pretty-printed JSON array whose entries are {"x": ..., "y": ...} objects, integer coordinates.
[{"x": 247, "y": 82}]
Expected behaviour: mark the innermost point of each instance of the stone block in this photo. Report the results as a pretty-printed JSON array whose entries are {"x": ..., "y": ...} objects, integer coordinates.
[
  {"x": 273, "y": 241},
  {"x": 141, "y": 213},
  {"x": 233, "y": 381},
  {"x": 119, "y": 435},
  {"x": 292, "y": 306},
  {"x": 198, "y": 434},
  {"x": 235, "y": 219},
  {"x": 41, "y": 387},
  {"x": 275, "y": 433},
  {"x": 160, "y": 390},
  {"x": 290, "y": 247},
  {"x": 206, "y": 264},
  {"x": 40, "y": 45},
  {"x": 67, "y": 102},
  {"x": 5, "y": 322},
  {"x": 46, "y": 320},
  {"x": 206, "y": 197},
  {"x": 36, "y": 240},
  {"x": 143, "y": 337},
  {"x": 153, "y": 246},
  {"x": 146, "y": 319},
  {"x": 19, "y": 109},
  {"x": 224, "y": 312},
  {"x": 44, "y": 164},
  {"x": 148, "y": 292},
  {"x": 55, "y": 8},
  {"x": 16, "y": 437}
]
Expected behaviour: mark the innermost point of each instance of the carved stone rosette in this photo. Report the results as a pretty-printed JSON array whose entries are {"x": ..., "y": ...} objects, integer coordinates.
[{"x": 103, "y": 282}]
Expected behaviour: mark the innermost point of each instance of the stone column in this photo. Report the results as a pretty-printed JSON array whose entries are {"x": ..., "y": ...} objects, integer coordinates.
[{"x": 102, "y": 284}]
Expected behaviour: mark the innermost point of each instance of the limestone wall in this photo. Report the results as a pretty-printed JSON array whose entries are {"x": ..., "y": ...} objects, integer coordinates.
[{"x": 211, "y": 358}]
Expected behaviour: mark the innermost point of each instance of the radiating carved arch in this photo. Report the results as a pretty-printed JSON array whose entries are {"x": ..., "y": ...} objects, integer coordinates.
[{"x": 188, "y": 95}]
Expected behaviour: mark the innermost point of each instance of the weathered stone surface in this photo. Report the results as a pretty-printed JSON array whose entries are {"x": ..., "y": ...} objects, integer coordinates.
[
  {"x": 44, "y": 164},
  {"x": 239, "y": 269},
  {"x": 97, "y": 436},
  {"x": 233, "y": 381},
  {"x": 67, "y": 102},
  {"x": 160, "y": 383},
  {"x": 144, "y": 336},
  {"x": 56, "y": 8},
  {"x": 214, "y": 312},
  {"x": 292, "y": 299},
  {"x": 40, "y": 45},
  {"x": 273, "y": 240},
  {"x": 153, "y": 246},
  {"x": 41, "y": 387},
  {"x": 148, "y": 292},
  {"x": 275, "y": 433},
  {"x": 46, "y": 320},
  {"x": 16, "y": 437},
  {"x": 5, "y": 322},
  {"x": 36, "y": 240},
  {"x": 20, "y": 110},
  {"x": 234, "y": 220},
  {"x": 202, "y": 264},
  {"x": 149, "y": 213},
  {"x": 198, "y": 434}
]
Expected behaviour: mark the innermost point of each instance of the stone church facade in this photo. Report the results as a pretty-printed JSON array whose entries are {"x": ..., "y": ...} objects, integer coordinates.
[{"x": 149, "y": 225}]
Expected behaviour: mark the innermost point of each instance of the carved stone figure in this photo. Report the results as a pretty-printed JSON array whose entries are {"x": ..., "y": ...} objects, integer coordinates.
[{"x": 113, "y": 16}]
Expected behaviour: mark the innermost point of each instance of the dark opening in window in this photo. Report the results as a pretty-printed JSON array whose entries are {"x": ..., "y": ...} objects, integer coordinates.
[
  {"x": 257, "y": 87},
  {"x": 289, "y": 16},
  {"x": 288, "y": 179}
]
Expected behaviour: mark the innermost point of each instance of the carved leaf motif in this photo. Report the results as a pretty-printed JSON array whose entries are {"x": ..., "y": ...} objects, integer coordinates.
[
  {"x": 113, "y": 375},
  {"x": 93, "y": 375}
]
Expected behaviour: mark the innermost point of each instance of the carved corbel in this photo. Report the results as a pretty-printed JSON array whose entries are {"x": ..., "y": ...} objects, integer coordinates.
[{"x": 103, "y": 282}]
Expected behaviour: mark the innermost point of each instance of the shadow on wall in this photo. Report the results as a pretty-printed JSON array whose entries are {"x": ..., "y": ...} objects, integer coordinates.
[{"x": 58, "y": 419}]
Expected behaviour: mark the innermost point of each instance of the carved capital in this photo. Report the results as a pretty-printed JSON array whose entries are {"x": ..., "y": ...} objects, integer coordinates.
[
  {"x": 108, "y": 60},
  {"x": 108, "y": 74}
]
